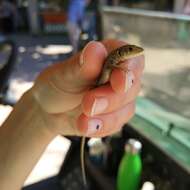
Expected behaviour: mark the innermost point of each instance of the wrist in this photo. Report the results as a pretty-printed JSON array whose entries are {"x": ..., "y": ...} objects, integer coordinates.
[
  {"x": 23, "y": 139},
  {"x": 50, "y": 122},
  {"x": 29, "y": 103}
]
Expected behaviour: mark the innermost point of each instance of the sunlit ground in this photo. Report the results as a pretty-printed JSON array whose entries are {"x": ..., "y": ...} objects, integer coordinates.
[
  {"x": 17, "y": 88},
  {"x": 55, "y": 49},
  {"x": 51, "y": 160},
  {"x": 4, "y": 112}
]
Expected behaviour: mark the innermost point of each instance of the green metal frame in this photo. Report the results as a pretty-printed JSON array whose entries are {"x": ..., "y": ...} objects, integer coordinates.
[{"x": 174, "y": 142}]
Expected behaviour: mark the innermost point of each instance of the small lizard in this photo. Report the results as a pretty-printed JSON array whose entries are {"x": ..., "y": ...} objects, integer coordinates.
[{"x": 112, "y": 61}]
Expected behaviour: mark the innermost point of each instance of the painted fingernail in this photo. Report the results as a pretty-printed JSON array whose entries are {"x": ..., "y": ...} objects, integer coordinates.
[
  {"x": 99, "y": 105},
  {"x": 129, "y": 80},
  {"x": 93, "y": 126},
  {"x": 81, "y": 60}
]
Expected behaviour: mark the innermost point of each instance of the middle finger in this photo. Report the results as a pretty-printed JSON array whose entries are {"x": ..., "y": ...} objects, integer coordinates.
[{"x": 104, "y": 100}]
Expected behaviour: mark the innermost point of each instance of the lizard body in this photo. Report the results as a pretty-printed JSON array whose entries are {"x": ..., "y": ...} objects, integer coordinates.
[{"x": 112, "y": 61}]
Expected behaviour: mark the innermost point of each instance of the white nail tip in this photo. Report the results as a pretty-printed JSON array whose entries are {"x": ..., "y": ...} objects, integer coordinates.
[
  {"x": 93, "y": 108},
  {"x": 81, "y": 59},
  {"x": 99, "y": 106}
]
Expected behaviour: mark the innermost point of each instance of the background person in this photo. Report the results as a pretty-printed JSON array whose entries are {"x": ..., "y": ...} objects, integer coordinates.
[{"x": 75, "y": 16}]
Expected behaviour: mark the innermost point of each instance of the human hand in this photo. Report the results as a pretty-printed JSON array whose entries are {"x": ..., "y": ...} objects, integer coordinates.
[{"x": 69, "y": 103}]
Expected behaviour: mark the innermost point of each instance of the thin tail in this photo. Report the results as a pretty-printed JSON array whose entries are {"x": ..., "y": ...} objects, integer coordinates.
[{"x": 82, "y": 160}]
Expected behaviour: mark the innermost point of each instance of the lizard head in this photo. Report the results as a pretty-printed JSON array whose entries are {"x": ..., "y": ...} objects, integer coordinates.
[
  {"x": 129, "y": 51},
  {"x": 123, "y": 53}
]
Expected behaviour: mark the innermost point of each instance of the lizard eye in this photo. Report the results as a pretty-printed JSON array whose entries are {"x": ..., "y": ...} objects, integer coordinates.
[
  {"x": 130, "y": 49},
  {"x": 119, "y": 53}
]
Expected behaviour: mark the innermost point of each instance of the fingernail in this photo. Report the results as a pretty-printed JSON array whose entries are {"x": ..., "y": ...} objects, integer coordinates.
[
  {"x": 129, "y": 80},
  {"x": 93, "y": 126},
  {"x": 81, "y": 59},
  {"x": 99, "y": 105}
]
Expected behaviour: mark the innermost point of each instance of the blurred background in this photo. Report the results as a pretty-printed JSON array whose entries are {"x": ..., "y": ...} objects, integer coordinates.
[{"x": 36, "y": 34}]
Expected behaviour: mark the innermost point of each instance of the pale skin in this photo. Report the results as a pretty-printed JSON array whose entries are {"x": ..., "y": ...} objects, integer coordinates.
[{"x": 64, "y": 101}]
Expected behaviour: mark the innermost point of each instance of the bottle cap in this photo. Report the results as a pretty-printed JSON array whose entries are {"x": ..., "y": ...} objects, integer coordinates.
[
  {"x": 148, "y": 186},
  {"x": 96, "y": 146},
  {"x": 133, "y": 146}
]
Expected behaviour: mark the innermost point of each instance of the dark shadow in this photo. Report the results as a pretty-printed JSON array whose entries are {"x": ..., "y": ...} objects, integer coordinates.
[
  {"x": 47, "y": 184},
  {"x": 7, "y": 64}
]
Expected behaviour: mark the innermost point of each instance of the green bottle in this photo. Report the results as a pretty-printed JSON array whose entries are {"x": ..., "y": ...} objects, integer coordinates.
[{"x": 130, "y": 167}]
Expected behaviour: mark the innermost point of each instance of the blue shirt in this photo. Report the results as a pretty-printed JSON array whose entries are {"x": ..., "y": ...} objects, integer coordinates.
[{"x": 76, "y": 10}]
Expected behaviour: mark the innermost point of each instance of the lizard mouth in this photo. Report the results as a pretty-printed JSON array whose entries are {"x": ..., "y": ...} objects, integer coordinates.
[{"x": 135, "y": 55}]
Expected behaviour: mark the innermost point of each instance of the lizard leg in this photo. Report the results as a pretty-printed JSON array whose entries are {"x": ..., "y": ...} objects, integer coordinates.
[{"x": 119, "y": 67}]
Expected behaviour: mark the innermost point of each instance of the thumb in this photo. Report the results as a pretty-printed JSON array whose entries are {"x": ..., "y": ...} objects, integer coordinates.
[
  {"x": 81, "y": 71},
  {"x": 91, "y": 60},
  {"x": 61, "y": 87}
]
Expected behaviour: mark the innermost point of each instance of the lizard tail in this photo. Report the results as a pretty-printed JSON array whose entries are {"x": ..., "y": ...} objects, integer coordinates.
[{"x": 82, "y": 160}]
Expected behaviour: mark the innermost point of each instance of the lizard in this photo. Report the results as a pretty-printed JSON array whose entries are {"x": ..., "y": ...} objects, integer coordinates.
[{"x": 112, "y": 61}]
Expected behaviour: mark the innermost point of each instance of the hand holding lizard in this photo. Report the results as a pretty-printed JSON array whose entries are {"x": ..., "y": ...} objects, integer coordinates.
[{"x": 71, "y": 106}]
